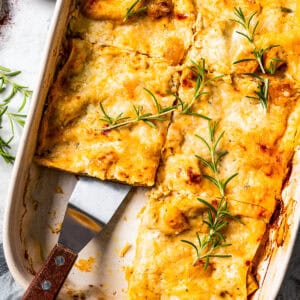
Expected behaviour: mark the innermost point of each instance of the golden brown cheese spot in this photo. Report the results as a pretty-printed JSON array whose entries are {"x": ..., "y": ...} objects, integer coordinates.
[
  {"x": 104, "y": 162},
  {"x": 107, "y": 9},
  {"x": 275, "y": 58},
  {"x": 182, "y": 173},
  {"x": 159, "y": 8},
  {"x": 174, "y": 50},
  {"x": 174, "y": 219},
  {"x": 245, "y": 66},
  {"x": 282, "y": 92}
]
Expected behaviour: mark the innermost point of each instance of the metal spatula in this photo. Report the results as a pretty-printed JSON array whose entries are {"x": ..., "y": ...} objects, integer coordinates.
[{"x": 91, "y": 206}]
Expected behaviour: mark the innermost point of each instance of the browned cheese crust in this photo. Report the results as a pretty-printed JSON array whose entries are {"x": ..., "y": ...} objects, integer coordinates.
[{"x": 116, "y": 56}]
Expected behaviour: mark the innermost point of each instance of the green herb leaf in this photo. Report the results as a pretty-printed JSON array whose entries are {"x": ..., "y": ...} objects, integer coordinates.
[
  {"x": 132, "y": 11},
  {"x": 218, "y": 217},
  {"x": 140, "y": 116},
  {"x": 258, "y": 53},
  {"x": 11, "y": 89}
]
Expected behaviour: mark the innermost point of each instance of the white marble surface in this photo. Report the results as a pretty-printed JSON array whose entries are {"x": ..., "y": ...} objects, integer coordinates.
[{"x": 21, "y": 48}]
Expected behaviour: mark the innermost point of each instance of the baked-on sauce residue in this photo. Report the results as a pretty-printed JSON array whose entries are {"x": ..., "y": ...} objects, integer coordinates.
[{"x": 85, "y": 265}]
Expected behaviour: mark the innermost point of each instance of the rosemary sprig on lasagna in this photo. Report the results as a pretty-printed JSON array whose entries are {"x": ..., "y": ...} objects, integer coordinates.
[
  {"x": 201, "y": 78},
  {"x": 219, "y": 215},
  {"x": 10, "y": 89},
  {"x": 140, "y": 115},
  {"x": 262, "y": 92},
  {"x": 132, "y": 11},
  {"x": 198, "y": 69},
  {"x": 250, "y": 27}
]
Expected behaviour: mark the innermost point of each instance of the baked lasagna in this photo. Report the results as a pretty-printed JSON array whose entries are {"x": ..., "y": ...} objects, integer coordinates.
[{"x": 198, "y": 99}]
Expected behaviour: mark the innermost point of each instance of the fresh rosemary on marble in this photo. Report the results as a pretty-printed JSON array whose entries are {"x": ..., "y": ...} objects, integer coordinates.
[
  {"x": 250, "y": 27},
  {"x": 132, "y": 11},
  {"x": 219, "y": 216},
  {"x": 8, "y": 90}
]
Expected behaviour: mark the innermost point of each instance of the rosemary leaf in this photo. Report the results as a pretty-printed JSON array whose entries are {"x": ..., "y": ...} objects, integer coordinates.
[
  {"x": 132, "y": 11},
  {"x": 250, "y": 27},
  {"x": 217, "y": 217},
  {"x": 140, "y": 115},
  {"x": 10, "y": 88}
]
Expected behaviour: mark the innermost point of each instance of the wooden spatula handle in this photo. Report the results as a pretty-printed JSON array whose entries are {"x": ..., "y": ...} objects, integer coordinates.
[{"x": 48, "y": 281}]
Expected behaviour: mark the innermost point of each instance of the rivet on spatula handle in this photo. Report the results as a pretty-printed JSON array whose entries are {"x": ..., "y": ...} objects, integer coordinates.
[{"x": 48, "y": 281}]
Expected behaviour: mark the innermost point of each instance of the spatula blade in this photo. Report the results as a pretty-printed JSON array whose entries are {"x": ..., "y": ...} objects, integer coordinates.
[{"x": 91, "y": 206}]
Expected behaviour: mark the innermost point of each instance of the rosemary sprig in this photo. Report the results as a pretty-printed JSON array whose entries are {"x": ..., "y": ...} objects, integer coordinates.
[
  {"x": 10, "y": 88},
  {"x": 187, "y": 108},
  {"x": 148, "y": 118},
  {"x": 132, "y": 12},
  {"x": 110, "y": 120},
  {"x": 215, "y": 158},
  {"x": 262, "y": 92},
  {"x": 201, "y": 81},
  {"x": 273, "y": 65},
  {"x": 6, "y": 81},
  {"x": 250, "y": 26},
  {"x": 218, "y": 216}
]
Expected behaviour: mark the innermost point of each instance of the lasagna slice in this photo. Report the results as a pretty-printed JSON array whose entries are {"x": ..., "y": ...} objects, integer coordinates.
[
  {"x": 164, "y": 267},
  {"x": 164, "y": 29},
  {"x": 216, "y": 36},
  {"x": 98, "y": 80},
  {"x": 258, "y": 145}
]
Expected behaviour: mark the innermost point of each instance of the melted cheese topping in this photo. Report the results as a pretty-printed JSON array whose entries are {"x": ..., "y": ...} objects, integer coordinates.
[
  {"x": 107, "y": 9},
  {"x": 164, "y": 265},
  {"x": 260, "y": 145},
  {"x": 112, "y": 64},
  {"x": 166, "y": 37},
  {"x": 70, "y": 138}
]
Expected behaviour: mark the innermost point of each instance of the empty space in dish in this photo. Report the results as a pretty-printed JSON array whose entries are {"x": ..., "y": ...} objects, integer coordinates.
[{"x": 101, "y": 266}]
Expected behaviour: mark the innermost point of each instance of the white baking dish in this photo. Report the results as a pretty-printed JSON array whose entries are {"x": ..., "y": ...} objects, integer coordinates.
[{"x": 36, "y": 206}]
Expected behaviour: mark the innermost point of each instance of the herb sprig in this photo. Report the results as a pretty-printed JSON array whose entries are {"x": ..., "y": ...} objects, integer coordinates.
[
  {"x": 140, "y": 115},
  {"x": 184, "y": 108},
  {"x": 132, "y": 11},
  {"x": 262, "y": 93},
  {"x": 218, "y": 217},
  {"x": 250, "y": 26},
  {"x": 199, "y": 70},
  {"x": 10, "y": 88}
]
